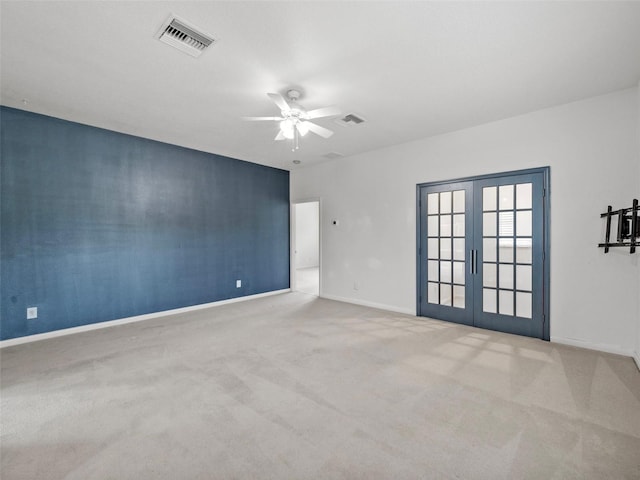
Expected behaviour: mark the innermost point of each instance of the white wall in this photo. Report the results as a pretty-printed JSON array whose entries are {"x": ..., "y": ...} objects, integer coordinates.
[
  {"x": 592, "y": 149},
  {"x": 637, "y": 193},
  {"x": 307, "y": 235}
]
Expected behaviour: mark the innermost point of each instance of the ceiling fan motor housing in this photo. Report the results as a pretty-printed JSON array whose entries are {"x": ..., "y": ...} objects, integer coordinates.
[{"x": 294, "y": 95}]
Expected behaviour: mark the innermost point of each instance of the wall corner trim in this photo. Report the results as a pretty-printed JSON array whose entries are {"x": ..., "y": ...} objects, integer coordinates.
[
  {"x": 364, "y": 303},
  {"x": 636, "y": 357},
  {"x": 138, "y": 318}
]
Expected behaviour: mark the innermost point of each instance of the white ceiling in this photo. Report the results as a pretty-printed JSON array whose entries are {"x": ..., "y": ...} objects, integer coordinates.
[{"x": 411, "y": 69}]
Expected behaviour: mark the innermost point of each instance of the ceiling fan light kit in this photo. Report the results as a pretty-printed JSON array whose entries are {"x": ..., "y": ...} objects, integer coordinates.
[{"x": 294, "y": 120}]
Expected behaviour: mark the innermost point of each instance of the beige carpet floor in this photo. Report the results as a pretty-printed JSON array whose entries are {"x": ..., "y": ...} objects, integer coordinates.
[{"x": 298, "y": 387}]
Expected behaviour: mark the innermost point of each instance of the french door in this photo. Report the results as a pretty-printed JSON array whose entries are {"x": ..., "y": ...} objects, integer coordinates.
[{"x": 482, "y": 252}]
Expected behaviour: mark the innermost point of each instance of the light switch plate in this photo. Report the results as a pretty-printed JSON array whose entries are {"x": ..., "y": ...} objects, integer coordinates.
[{"x": 32, "y": 312}]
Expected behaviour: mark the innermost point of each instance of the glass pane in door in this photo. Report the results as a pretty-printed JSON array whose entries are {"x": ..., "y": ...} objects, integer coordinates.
[
  {"x": 446, "y": 250},
  {"x": 507, "y": 249}
]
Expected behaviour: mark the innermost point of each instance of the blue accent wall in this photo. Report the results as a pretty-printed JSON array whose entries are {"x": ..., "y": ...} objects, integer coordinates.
[{"x": 98, "y": 225}]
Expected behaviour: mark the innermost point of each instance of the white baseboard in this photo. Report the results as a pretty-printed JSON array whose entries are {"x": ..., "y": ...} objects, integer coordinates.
[
  {"x": 138, "y": 318},
  {"x": 364, "y": 303},
  {"x": 601, "y": 347}
]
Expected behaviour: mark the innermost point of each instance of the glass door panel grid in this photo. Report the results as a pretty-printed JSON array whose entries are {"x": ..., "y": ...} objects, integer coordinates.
[
  {"x": 507, "y": 249},
  {"x": 446, "y": 249}
]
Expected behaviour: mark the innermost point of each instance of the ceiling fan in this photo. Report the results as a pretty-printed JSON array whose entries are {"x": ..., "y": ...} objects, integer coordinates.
[{"x": 294, "y": 120}]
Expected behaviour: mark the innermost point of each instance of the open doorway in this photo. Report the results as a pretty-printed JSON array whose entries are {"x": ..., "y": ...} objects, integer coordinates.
[{"x": 306, "y": 274}]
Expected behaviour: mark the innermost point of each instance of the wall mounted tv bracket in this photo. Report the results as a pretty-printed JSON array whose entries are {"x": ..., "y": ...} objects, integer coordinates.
[{"x": 628, "y": 228}]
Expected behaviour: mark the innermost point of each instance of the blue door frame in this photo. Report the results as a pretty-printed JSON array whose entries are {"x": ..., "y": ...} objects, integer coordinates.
[{"x": 470, "y": 310}]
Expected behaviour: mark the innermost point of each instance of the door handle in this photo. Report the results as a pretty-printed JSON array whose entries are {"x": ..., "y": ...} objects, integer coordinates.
[{"x": 475, "y": 262}]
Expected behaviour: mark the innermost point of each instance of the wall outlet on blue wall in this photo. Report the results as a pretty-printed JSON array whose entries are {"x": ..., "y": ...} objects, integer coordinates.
[
  {"x": 32, "y": 312},
  {"x": 238, "y": 283}
]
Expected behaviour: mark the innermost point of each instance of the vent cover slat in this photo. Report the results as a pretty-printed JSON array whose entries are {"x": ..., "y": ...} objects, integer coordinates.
[
  {"x": 179, "y": 34},
  {"x": 350, "y": 120}
]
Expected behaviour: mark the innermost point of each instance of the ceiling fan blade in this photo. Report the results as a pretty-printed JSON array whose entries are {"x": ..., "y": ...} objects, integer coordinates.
[
  {"x": 258, "y": 119},
  {"x": 280, "y": 136},
  {"x": 279, "y": 101},
  {"x": 323, "y": 112},
  {"x": 318, "y": 130}
]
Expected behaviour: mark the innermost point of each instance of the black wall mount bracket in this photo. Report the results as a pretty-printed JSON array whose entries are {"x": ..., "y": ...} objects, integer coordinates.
[{"x": 628, "y": 231}]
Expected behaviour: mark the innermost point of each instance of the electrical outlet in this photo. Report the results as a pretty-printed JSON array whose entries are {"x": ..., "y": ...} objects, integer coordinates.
[
  {"x": 238, "y": 283},
  {"x": 356, "y": 286},
  {"x": 32, "y": 312}
]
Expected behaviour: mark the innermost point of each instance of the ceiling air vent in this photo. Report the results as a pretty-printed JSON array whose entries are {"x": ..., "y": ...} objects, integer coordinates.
[
  {"x": 183, "y": 36},
  {"x": 351, "y": 119},
  {"x": 333, "y": 155}
]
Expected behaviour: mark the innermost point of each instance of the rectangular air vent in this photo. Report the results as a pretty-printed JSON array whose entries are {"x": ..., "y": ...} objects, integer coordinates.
[
  {"x": 350, "y": 119},
  {"x": 183, "y": 36}
]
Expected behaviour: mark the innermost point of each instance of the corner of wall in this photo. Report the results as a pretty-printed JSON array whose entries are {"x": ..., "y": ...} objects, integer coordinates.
[{"x": 637, "y": 352}]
